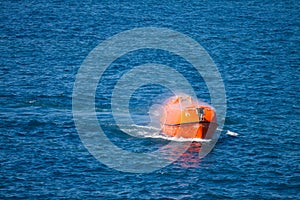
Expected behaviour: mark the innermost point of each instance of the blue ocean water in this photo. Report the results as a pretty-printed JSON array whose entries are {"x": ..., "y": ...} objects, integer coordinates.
[{"x": 255, "y": 45}]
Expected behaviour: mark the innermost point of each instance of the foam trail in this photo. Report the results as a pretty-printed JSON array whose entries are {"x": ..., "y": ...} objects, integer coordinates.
[{"x": 156, "y": 133}]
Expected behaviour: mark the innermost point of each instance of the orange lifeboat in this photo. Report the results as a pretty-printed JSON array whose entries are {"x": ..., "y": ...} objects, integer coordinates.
[{"x": 187, "y": 118}]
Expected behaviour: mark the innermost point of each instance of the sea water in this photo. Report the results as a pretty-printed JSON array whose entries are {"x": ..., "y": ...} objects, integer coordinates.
[{"x": 255, "y": 45}]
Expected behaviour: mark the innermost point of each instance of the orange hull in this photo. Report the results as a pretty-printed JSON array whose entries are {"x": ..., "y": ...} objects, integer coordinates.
[{"x": 184, "y": 117}]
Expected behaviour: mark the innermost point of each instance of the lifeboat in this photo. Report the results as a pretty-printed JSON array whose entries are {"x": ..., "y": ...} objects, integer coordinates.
[{"x": 188, "y": 118}]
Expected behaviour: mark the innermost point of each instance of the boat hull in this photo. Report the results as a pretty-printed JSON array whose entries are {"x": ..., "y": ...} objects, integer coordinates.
[
  {"x": 187, "y": 118},
  {"x": 196, "y": 130}
]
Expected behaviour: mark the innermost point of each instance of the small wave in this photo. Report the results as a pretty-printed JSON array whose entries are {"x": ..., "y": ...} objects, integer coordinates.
[{"x": 231, "y": 133}]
